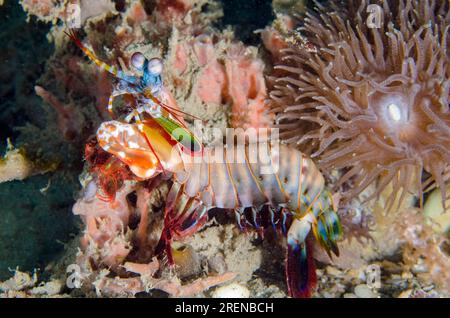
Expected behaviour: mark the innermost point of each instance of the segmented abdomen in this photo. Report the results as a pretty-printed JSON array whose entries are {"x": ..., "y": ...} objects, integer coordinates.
[{"x": 243, "y": 180}]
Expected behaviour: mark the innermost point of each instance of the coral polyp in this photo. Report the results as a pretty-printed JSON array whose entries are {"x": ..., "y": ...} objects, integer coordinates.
[{"x": 372, "y": 97}]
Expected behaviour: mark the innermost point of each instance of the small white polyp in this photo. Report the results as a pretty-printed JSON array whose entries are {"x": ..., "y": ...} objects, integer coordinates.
[{"x": 394, "y": 112}]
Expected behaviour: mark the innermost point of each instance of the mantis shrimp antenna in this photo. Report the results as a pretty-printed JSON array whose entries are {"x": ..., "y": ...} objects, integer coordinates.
[{"x": 91, "y": 55}]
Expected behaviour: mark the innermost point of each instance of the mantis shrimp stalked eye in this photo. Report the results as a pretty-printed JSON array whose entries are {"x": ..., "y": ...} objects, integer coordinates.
[
  {"x": 155, "y": 66},
  {"x": 137, "y": 60}
]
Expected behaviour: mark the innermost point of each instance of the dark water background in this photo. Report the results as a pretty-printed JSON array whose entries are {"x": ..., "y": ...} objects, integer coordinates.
[{"x": 33, "y": 225}]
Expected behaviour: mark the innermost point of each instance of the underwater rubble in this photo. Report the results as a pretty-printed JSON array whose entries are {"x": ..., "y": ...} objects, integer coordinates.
[{"x": 108, "y": 222}]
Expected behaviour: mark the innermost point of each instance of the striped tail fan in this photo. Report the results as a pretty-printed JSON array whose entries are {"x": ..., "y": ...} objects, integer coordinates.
[{"x": 328, "y": 231}]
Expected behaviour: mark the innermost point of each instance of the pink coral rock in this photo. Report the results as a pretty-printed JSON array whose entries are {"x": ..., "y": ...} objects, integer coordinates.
[
  {"x": 118, "y": 260},
  {"x": 54, "y": 10},
  {"x": 174, "y": 9},
  {"x": 229, "y": 73},
  {"x": 106, "y": 225},
  {"x": 246, "y": 89}
]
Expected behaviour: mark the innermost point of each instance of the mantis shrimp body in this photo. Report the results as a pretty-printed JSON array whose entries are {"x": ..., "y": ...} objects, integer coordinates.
[
  {"x": 152, "y": 139},
  {"x": 288, "y": 185}
]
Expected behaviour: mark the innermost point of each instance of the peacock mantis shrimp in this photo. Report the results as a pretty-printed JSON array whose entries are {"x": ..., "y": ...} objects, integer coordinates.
[
  {"x": 153, "y": 140},
  {"x": 294, "y": 197}
]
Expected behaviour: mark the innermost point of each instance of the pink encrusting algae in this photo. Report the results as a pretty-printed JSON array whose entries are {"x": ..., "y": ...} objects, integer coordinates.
[
  {"x": 108, "y": 244},
  {"x": 231, "y": 75}
]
